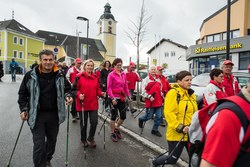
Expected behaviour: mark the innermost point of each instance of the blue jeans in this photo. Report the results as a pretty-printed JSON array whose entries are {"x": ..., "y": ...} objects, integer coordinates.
[
  {"x": 13, "y": 75},
  {"x": 149, "y": 114}
]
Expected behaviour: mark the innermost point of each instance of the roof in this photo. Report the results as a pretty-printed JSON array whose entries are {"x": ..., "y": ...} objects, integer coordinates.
[
  {"x": 13, "y": 25},
  {"x": 216, "y": 13},
  {"x": 166, "y": 40},
  {"x": 107, "y": 12},
  {"x": 69, "y": 43}
]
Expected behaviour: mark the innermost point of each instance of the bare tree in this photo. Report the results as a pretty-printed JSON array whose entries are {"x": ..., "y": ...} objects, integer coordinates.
[{"x": 136, "y": 35}]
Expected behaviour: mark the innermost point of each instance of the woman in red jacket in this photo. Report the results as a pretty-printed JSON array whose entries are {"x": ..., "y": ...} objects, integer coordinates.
[{"x": 88, "y": 90}]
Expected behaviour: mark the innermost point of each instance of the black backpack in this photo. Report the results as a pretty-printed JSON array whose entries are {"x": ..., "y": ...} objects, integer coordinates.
[{"x": 232, "y": 103}]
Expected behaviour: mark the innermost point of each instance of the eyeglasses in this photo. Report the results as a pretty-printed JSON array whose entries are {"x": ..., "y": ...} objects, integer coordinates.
[{"x": 118, "y": 65}]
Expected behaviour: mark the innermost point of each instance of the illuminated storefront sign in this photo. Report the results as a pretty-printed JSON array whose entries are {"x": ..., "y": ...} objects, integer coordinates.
[{"x": 216, "y": 48}]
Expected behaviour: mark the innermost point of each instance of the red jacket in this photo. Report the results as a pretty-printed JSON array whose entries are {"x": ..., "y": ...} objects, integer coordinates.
[
  {"x": 89, "y": 86},
  {"x": 231, "y": 85},
  {"x": 152, "y": 87},
  {"x": 165, "y": 85},
  {"x": 212, "y": 93},
  {"x": 132, "y": 78}
]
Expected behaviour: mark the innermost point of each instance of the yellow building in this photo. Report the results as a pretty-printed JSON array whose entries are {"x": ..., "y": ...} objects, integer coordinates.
[
  {"x": 210, "y": 48},
  {"x": 107, "y": 32}
]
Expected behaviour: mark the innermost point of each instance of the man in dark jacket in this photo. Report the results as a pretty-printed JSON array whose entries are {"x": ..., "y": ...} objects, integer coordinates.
[
  {"x": 1, "y": 71},
  {"x": 13, "y": 67},
  {"x": 48, "y": 89}
]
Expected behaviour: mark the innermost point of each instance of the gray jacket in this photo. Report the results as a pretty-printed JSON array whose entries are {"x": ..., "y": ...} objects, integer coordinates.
[{"x": 29, "y": 94}]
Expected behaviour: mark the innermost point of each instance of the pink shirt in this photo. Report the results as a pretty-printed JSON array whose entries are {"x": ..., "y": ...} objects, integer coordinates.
[{"x": 117, "y": 83}]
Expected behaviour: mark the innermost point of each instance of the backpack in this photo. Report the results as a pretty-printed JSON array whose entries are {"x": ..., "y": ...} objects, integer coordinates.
[{"x": 197, "y": 130}]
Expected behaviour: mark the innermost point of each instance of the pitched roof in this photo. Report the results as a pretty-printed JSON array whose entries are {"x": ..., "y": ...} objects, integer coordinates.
[
  {"x": 166, "y": 40},
  {"x": 15, "y": 26},
  {"x": 69, "y": 43}
]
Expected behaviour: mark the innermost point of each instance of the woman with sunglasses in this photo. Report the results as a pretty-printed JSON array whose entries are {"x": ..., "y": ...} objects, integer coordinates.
[{"x": 118, "y": 91}]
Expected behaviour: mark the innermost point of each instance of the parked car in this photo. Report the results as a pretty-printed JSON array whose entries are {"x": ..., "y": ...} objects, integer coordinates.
[
  {"x": 143, "y": 74},
  {"x": 200, "y": 82}
]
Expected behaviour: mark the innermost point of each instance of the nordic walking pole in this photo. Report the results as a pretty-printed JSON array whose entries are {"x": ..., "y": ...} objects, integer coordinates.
[
  {"x": 139, "y": 113},
  {"x": 104, "y": 142},
  {"x": 103, "y": 124},
  {"x": 172, "y": 152},
  {"x": 67, "y": 138},
  {"x": 84, "y": 149},
  {"x": 8, "y": 164}
]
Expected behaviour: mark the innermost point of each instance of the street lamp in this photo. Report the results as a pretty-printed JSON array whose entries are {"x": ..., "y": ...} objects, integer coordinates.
[
  {"x": 85, "y": 19},
  {"x": 77, "y": 44}
]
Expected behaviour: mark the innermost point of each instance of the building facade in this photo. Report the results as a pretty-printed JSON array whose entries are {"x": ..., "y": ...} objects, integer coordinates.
[
  {"x": 107, "y": 32},
  {"x": 17, "y": 41},
  {"x": 210, "y": 48},
  {"x": 169, "y": 54}
]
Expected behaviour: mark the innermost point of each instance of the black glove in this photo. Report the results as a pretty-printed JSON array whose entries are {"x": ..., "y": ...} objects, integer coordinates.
[{"x": 180, "y": 128}]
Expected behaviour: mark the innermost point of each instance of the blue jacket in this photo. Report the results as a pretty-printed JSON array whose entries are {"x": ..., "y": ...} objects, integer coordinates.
[
  {"x": 13, "y": 65},
  {"x": 29, "y": 93}
]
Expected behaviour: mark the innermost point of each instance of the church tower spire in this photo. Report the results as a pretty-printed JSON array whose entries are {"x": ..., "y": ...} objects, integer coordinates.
[{"x": 107, "y": 32}]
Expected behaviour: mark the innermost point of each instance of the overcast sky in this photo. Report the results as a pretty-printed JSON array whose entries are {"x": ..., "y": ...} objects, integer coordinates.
[{"x": 178, "y": 20}]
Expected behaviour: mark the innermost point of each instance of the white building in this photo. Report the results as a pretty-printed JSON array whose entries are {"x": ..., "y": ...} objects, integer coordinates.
[{"x": 170, "y": 54}]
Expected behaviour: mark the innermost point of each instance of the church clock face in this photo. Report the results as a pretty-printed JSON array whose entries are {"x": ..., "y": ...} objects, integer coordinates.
[{"x": 110, "y": 22}]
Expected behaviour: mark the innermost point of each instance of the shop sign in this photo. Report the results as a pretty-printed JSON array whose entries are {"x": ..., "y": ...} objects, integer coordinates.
[{"x": 216, "y": 48}]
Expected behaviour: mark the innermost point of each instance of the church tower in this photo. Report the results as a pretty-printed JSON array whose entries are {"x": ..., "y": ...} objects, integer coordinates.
[{"x": 107, "y": 32}]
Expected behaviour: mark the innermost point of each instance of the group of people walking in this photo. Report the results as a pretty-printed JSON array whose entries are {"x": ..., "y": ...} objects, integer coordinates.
[{"x": 46, "y": 89}]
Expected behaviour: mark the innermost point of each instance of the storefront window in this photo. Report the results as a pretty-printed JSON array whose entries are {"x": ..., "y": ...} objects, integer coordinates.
[{"x": 244, "y": 60}]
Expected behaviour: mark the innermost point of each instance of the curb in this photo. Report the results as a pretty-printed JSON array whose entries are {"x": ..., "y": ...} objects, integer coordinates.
[{"x": 156, "y": 148}]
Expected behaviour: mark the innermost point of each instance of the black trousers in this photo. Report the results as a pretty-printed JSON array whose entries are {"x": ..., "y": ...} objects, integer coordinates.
[
  {"x": 44, "y": 137},
  {"x": 166, "y": 159},
  {"x": 93, "y": 119},
  {"x": 73, "y": 108}
]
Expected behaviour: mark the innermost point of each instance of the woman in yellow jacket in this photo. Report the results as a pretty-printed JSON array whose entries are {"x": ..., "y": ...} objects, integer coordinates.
[{"x": 180, "y": 105}]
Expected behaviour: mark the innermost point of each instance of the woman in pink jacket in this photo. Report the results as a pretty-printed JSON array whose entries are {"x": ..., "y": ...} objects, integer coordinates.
[
  {"x": 88, "y": 90},
  {"x": 117, "y": 90}
]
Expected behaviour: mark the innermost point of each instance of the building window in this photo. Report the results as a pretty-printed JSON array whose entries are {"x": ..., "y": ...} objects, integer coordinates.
[
  {"x": 244, "y": 60},
  {"x": 110, "y": 29},
  {"x": 15, "y": 40},
  {"x": 172, "y": 53},
  {"x": 217, "y": 37},
  {"x": 21, "y": 41},
  {"x": 0, "y": 37},
  {"x": 235, "y": 34},
  {"x": 100, "y": 30},
  {"x": 15, "y": 52},
  {"x": 209, "y": 38},
  {"x": 166, "y": 54},
  {"x": 248, "y": 31},
  {"x": 0, "y": 52},
  {"x": 20, "y": 54}
]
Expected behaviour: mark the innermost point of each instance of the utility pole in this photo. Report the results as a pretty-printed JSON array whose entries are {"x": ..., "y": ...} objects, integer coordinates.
[{"x": 228, "y": 28}]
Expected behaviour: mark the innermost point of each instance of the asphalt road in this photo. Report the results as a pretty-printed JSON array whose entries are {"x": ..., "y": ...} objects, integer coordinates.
[{"x": 126, "y": 153}]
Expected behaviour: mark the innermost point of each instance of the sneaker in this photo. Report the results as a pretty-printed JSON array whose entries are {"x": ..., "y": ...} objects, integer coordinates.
[
  {"x": 140, "y": 123},
  {"x": 156, "y": 133},
  {"x": 77, "y": 117},
  {"x": 162, "y": 124},
  {"x": 48, "y": 164},
  {"x": 114, "y": 137},
  {"x": 92, "y": 143},
  {"x": 73, "y": 119},
  {"x": 84, "y": 144},
  {"x": 118, "y": 133},
  {"x": 133, "y": 111}
]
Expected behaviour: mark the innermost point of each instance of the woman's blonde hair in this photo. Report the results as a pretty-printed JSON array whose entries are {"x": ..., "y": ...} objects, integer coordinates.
[{"x": 87, "y": 61}]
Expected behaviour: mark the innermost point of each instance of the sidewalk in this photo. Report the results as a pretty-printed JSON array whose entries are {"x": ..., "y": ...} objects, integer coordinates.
[{"x": 158, "y": 144}]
